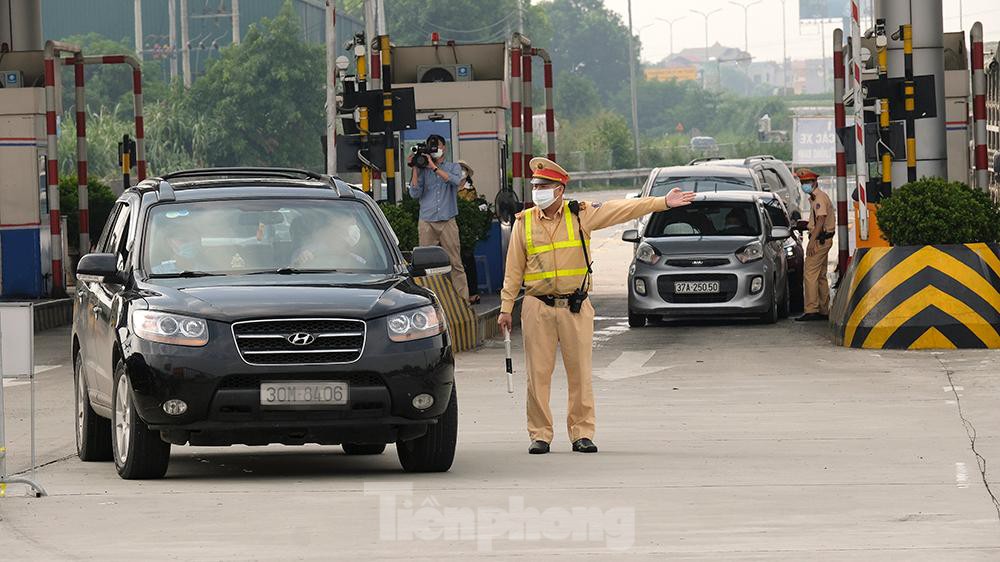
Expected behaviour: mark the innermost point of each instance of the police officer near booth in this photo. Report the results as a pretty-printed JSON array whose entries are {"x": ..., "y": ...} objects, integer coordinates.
[
  {"x": 822, "y": 229},
  {"x": 549, "y": 254}
]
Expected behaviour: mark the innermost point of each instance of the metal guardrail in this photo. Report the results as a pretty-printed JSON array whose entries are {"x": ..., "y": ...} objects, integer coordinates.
[{"x": 610, "y": 174}]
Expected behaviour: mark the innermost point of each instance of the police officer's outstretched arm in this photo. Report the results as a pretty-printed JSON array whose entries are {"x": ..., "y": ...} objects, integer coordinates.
[
  {"x": 596, "y": 216},
  {"x": 514, "y": 274}
]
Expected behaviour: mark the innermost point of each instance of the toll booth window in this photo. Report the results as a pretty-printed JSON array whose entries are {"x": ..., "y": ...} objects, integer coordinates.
[{"x": 426, "y": 128}]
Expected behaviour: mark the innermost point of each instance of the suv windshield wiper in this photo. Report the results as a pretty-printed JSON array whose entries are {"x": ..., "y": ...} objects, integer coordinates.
[
  {"x": 187, "y": 273},
  {"x": 290, "y": 271}
]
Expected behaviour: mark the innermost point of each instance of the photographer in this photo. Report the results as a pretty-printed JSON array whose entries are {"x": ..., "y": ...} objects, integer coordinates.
[{"x": 434, "y": 183}]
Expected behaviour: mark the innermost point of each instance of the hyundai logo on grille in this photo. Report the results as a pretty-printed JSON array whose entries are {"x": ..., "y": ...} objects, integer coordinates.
[{"x": 301, "y": 338}]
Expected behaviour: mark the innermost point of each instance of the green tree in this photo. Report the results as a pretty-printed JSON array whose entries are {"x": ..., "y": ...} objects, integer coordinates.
[
  {"x": 576, "y": 96},
  {"x": 264, "y": 98}
]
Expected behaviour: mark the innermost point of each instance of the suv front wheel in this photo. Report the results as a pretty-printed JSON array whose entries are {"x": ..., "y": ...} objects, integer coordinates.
[
  {"x": 435, "y": 451},
  {"x": 139, "y": 453}
]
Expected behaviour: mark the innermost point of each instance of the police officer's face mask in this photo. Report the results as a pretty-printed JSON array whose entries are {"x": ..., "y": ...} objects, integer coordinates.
[
  {"x": 544, "y": 197},
  {"x": 808, "y": 187}
]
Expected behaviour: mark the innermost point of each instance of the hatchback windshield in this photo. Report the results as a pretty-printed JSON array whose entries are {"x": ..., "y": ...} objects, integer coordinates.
[
  {"x": 701, "y": 184},
  {"x": 249, "y": 236},
  {"x": 706, "y": 218}
]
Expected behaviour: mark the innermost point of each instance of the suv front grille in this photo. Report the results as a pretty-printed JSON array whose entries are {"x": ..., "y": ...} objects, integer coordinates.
[
  {"x": 698, "y": 262},
  {"x": 727, "y": 288},
  {"x": 317, "y": 341}
]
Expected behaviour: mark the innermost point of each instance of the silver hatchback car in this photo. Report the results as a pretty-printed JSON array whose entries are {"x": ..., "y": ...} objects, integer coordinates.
[{"x": 719, "y": 256}]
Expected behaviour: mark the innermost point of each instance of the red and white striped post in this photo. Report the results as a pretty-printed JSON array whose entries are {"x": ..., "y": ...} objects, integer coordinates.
[
  {"x": 140, "y": 134},
  {"x": 840, "y": 123},
  {"x": 861, "y": 164},
  {"x": 52, "y": 50},
  {"x": 81, "y": 157},
  {"x": 515, "y": 116},
  {"x": 550, "y": 116},
  {"x": 980, "y": 159},
  {"x": 527, "y": 121}
]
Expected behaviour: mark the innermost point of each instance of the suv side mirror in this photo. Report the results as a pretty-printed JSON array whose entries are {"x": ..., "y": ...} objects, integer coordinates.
[
  {"x": 429, "y": 260},
  {"x": 99, "y": 268},
  {"x": 779, "y": 233},
  {"x": 796, "y": 216},
  {"x": 630, "y": 235}
]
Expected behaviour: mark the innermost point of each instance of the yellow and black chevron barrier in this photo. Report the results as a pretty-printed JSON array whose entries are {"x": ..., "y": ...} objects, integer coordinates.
[
  {"x": 920, "y": 297},
  {"x": 462, "y": 321}
]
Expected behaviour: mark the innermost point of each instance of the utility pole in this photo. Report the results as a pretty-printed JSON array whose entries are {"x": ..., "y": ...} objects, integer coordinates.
[
  {"x": 185, "y": 45},
  {"x": 784, "y": 49},
  {"x": 331, "y": 87},
  {"x": 671, "y": 23},
  {"x": 704, "y": 63},
  {"x": 746, "y": 27},
  {"x": 236, "y": 22},
  {"x": 961, "y": 17},
  {"x": 631, "y": 72},
  {"x": 137, "y": 16},
  {"x": 172, "y": 16}
]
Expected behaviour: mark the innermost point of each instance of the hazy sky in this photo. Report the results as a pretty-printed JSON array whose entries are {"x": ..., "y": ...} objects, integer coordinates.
[{"x": 726, "y": 26}]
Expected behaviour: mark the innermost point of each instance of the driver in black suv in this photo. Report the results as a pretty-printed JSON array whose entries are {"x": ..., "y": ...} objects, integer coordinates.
[{"x": 257, "y": 306}]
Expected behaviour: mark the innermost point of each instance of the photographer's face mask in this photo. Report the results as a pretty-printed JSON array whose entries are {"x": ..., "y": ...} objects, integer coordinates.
[{"x": 438, "y": 153}]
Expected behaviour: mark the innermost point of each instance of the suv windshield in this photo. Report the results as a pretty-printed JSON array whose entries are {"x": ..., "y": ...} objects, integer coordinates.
[
  {"x": 706, "y": 218},
  {"x": 701, "y": 184},
  {"x": 247, "y": 236}
]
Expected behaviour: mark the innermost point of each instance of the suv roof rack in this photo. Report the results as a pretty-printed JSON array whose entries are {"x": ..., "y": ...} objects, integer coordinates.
[
  {"x": 704, "y": 159},
  {"x": 245, "y": 172},
  {"x": 750, "y": 159}
]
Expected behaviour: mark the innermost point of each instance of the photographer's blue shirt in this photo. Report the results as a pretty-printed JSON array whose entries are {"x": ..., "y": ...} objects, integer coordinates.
[{"x": 438, "y": 198}]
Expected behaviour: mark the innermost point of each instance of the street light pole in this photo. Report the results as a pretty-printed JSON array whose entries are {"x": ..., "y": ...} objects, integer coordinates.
[
  {"x": 631, "y": 72},
  {"x": 671, "y": 24},
  {"x": 746, "y": 34},
  {"x": 784, "y": 49},
  {"x": 704, "y": 64}
]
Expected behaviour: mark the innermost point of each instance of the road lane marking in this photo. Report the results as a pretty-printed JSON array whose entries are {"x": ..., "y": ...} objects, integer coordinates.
[
  {"x": 950, "y": 388},
  {"x": 630, "y": 364},
  {"x": 961, "y": 475},
  {"x": 39, "y": 369}
]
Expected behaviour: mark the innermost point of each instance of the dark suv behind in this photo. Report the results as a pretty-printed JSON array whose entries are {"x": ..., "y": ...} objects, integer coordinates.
[{"x": 257, "y": 306}]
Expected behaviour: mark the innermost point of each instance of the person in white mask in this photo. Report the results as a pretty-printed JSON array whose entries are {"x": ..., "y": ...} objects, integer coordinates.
[
  {"x": 549, "y": 255},
  {"x": 435, "y": 186}
]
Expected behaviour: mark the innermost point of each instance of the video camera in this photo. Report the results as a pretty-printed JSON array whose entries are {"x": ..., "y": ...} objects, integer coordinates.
[{"x": 423, "y": 153}]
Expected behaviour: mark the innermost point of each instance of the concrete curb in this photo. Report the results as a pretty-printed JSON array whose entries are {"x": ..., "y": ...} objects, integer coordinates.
[{"x": 920, "y": 297}]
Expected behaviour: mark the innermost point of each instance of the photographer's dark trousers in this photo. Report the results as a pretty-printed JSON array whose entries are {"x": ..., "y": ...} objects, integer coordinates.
[
  {"x": 815, "y": 283},
  {"x": 544, "y": 327},
  {"x": 445, "y": 234}
]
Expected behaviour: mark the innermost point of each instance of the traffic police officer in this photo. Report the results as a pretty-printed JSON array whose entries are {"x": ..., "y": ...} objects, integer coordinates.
[
  {"x": 549, "y": 254},
  {"x": 822, "y": 228}
]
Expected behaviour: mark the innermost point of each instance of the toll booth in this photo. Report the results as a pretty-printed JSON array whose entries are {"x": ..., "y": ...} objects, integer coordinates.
[
  {"x": 460, "y": 93},
  {"x": 25, "y": 262}
]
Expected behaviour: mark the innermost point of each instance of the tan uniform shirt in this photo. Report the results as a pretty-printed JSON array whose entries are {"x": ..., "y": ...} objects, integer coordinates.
[
  {"x": 822, "y": 206},
  {"x": 545, "y": 231}
]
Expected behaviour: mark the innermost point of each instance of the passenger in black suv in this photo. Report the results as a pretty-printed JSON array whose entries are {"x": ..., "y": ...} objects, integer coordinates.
[{"x": 257, "y": 306}]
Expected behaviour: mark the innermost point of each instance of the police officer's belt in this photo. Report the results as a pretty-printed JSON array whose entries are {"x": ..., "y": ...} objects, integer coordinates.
[
  {"x": 824, "y": 236},
  {"x": 559, "y": 301}
]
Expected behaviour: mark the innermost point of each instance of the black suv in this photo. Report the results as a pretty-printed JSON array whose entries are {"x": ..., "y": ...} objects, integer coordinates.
[{"x": 257, "y": 306}]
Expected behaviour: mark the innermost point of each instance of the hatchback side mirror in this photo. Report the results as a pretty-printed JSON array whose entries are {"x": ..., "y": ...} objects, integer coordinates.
[
  {"x": 779, "y": 233},
  {"x": 429, "y": 260},
  {"x": 796, "y": 216},
  {"x": 631, "y": 235},
  {"x": 99, "y": 268}
]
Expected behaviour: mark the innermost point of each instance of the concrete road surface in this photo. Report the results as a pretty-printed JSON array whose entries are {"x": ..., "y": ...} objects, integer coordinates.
[{"x": 719, "y": 441}]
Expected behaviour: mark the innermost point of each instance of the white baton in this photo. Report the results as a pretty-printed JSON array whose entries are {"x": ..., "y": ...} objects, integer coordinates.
[{"x": 510, "y": 364}]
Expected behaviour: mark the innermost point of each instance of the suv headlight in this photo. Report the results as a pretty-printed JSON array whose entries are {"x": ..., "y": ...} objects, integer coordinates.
[
  {"x": 174, "y": 329},
  {"x": 416, "y": 324},
  {"x": 647, "y": 254},
  {"x": 750, "y": 252}
]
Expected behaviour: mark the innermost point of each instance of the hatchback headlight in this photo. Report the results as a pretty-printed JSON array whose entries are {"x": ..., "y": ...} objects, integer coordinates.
[
  {"x": 647, "y": 254},
  {"x": 415, "y": 324},
  {"x": 750, "y": 252},
  {"x": 163, "y": 327}
]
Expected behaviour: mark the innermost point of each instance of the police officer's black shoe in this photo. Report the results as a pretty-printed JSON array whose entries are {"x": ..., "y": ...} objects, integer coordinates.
[
  {"x": 538, "y": 448},
  {"x": 584, "y": 446},
  {"x": 810, "y": 317}
]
